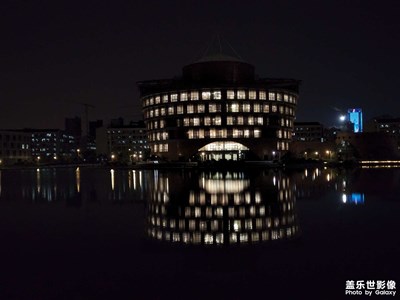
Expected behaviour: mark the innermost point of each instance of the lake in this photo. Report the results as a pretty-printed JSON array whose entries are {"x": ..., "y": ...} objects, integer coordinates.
[{"x": 99, "y": 233}]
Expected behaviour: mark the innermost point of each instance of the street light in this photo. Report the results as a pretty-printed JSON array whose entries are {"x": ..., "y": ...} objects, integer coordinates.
[{"x": 342, "y": 118}]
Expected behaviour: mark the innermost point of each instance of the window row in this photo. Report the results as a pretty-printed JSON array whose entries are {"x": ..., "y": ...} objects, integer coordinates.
[
  {"x": 220, "y": 121},
  {"x": 214, "y": 133},
  {"x": 217, "y": 95},
  {"x": 284, "y": 146},
  {"x": 235, "y": 225},
  {"x": 284, "y": 134},
  {"x": 158, "y": 136},
  {"x": 159, "y": 148},
  {"x": 234, "y": 107},
  {"x": 218, "y": 238}
]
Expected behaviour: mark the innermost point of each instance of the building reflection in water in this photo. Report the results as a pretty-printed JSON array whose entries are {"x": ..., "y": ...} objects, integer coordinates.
[
  {"x": 73, "y": 186},
  {"x": 221, "y": 208}
]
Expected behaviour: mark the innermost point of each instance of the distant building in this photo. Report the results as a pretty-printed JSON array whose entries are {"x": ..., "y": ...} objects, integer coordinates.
[
  {"x": 73, "y": 126},
  {"x": 123, "y": 143},
  {"x": 52, "y": 144},
  {"x": 367, "y": 146},
  {"x": 93, "y": 125},
  {"x": 219, "y": 110},
  {"x": 387, "y": 124},
  {"x": 355, "y": 117},
  {"x": 308, "y": 131},
  {"x": 312, "y": 141},
  {"x": 15, "y": 146}
]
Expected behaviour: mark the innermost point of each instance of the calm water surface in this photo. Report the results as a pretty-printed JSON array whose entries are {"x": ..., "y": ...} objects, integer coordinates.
[{"x": 83, "y": 233}]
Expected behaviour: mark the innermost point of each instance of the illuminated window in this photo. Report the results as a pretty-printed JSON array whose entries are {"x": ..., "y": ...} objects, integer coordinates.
[
  {"x": 171, "y": 110},
  {"x": 252, "y": 95},
  {"x": 212, "y": 107},
  {"x": 194, "y": 95},
  {"x": 229, "y": 120},
  {"x": 274, "y": 108},
  {"x": 151, "y": 101},
  {"x": 256, "y": 108},
  {"x": 237, "y": 133},
  {"x": 213, "y": 133},
  {"x": 184, "y": 96},
  {"x": 266, "y": 108},
  {"x": 262, "y": 95},
  {"x": 241, "y": 94},
  {"x": 162, "y": 111},
  {"x": 259, "y": 120},
  {"x": 230, "y": 94},
  {"x": 179, "y": 109},
  {"x": 257, "y": 133},
  {"x": 271, "y": 96},
  {"x": 165, "y": 98},
  {"x": 206, "y": 95},
  {"x": 207, "y": 121},
  {"x": 162, "y": 123},
  {"x": 190, "y": 109},
  {"x": 201, "y": 134},
  {"x": 285, "y": 97},
  {"x": 281, "y": 109},
  {"x": 246, "y": 107},
  {"x": 279, "y": 133},
  {"x": 216, "y": 120},
  {"x": 240, "y": 120},
  {"x": 196, "y": 121},
  {"x": 200, "y": 108},
  {"x": 151, "y": 113},
  {"x": 250, "y": 120},
  {"x": 246, "y": 133},
  {"x": 234, "y": 107},
  {"x": 174, "y": 97},
  {"x": 158, "y": 100},
  {"x": 278, "y": 96},
  {"x": 156, "y": 112},
  {"x": 217, "y": 95},
  {"x": 190, "y": 134},
  {"x": 186, "y": 122}
]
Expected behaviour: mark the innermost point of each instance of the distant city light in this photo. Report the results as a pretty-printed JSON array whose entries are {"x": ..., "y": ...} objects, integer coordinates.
[{"x": 342, "y": 118}]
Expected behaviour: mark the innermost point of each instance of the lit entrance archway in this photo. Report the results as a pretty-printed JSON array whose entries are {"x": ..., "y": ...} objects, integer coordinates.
[{"x": 223, "y": 150}]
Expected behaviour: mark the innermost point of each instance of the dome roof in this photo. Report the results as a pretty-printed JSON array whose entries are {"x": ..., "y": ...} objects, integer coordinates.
[{"x": 219, "y": 57}]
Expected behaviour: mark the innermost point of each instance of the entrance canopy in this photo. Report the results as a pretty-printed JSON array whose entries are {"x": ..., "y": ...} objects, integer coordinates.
[{"x": 223, "y": 146}]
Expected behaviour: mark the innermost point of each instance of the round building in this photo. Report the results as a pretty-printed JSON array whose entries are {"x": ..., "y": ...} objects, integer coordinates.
[{"x": 219, "y": 110}]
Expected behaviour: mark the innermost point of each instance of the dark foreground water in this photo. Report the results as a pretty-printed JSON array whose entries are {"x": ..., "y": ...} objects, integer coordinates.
[{"x": 91, "y": 233}]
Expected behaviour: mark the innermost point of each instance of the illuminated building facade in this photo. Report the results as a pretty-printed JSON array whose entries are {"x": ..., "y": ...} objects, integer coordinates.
[
  {"x": 308, "y": 131},
  {"x": 14, "y": 146},
  {"x": 123, "y": 142},
  {"x": 218, "y": 110},
  {"x": 221, "y": 208},
  {"x": 356, "y": 119},
  {"x": 52, "y": 144}
]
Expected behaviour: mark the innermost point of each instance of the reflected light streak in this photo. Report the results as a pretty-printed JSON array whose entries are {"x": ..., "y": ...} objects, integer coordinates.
[
  {"x": 134, "y": 179},
  {"x": 78, "y": 179},
  {"x": 216, "y": 186},
  {"x": 344, "y": 198},
  {"x": 112, "y": 179},
  {"x": 38, "y": 180}
]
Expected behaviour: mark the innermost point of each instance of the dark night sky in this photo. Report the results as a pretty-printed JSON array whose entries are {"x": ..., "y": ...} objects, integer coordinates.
[{"x": 55, "y": 54}]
